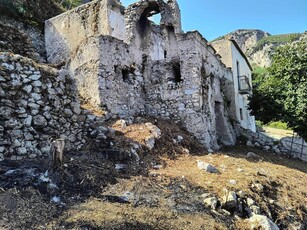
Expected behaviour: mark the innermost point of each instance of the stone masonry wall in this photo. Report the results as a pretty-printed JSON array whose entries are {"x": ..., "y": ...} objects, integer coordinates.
[
  {"x": 126, "y": 87},
  {"x": 64, "y": 33},
  {"x": 38, "y": 103},
  {"x": 17, "y": 37},
  {"x": 290, "y": 146},
  {"x": 157, "y": 70}
]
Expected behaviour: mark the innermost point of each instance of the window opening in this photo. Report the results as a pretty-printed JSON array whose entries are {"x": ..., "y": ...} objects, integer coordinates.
[
  {"x": 241, "y": 113},
  {"x": 177, "y": 72},
  {"x": 128, "y": 73},
  {"x": 150, "y": 15}
]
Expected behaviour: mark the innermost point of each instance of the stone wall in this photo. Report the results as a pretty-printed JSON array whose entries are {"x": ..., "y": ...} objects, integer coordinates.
[
  {"x": 157, "y": 70},
  {"x": 17, "y": 37},
  {"x": 38, "y": 103},
  {"x": 64, "y": 33},
  {"x": 186, "y": 89},
  {"x": 290, "y": 146}
]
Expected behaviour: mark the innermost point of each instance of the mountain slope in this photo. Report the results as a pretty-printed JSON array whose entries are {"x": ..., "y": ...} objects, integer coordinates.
[{"x": 259, "y": 45}]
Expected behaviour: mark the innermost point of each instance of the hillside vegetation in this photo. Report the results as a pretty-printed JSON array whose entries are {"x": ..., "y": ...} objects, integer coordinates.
[
  {"x": 35, "y": 12},
  {"x": 280, "y": 92},
  {"x": 276, "y": 40}
]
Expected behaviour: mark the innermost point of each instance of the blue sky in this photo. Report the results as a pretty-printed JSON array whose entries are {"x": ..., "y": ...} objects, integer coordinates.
[{"x": 213, "y": 18}]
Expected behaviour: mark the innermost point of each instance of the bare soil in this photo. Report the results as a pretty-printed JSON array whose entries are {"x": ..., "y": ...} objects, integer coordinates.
[{"x": 163, "y": 190}]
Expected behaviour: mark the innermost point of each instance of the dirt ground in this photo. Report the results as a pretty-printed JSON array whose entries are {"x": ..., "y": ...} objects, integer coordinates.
[{"x": 121, "y": 184}]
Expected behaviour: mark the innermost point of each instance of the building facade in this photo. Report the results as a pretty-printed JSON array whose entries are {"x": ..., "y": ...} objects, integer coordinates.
[{"x": 234, "y": 58}]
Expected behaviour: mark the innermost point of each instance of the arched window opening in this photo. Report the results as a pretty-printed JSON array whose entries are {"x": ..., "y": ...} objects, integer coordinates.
[{"x": 151, "y": 15}]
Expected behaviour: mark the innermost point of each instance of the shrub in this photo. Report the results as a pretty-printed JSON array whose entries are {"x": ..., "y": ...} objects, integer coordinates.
[{"x": 278, "y": 125}]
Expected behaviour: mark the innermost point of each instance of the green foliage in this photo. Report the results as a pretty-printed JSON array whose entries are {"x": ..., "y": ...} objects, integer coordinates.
[
  {"x": 276, "y": 39},
  {"x": 262, "y": 98},
  {"x": 259, "y": 123},
  {"x": 260, "y": 71},
  {"x": 259, "y": 126},
  {"x": 33, "y": 12},
  {"x": 69, "y": 4},
  {"x": 281, "y": 94},
  {"x": 278, "y": 125}
]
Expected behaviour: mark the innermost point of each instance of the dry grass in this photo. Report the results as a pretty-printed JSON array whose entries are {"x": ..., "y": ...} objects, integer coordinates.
[
  {"x": 170, "y": 197},
  {"x": 236, "y": 168},
  {"x": 135, "y": 132},
  {"x": 124, "y": 216},
  {"x": 93, "y": 110},
  {"x": 166, "y": 145},
  {"x": 284, "y": 181}
]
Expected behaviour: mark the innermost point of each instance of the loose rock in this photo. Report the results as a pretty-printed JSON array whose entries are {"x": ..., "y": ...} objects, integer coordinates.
[
  {"x": 260, "y": 221},
  {"x": 252, "y": 156},
  {"x": 229, "y": 201},
  {"x": 211, "y": 202},
  {"x": 207, "y": 167}
]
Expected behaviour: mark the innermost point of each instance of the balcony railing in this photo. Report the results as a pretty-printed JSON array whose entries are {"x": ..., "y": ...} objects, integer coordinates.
[{"x": 244, "y": 85}]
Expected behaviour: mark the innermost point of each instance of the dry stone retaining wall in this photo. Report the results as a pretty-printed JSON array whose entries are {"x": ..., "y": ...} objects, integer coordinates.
[
  {"x": 291, "y": 146},
  {"x": 38, "y": 103},
  {"x": 17, "y": 37}
]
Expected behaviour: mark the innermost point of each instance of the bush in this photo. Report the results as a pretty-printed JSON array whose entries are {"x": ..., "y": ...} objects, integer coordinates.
[{"x": 278, "y": 125}]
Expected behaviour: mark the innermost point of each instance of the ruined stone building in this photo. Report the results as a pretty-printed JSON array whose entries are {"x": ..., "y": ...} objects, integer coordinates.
[{"x": 128, "y": 65}]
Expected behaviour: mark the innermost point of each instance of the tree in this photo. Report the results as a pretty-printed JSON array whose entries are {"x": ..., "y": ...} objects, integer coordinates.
[{"x": 282, "y": 93}]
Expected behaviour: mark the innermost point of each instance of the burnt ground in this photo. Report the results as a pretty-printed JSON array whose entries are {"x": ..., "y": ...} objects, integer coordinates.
[{"x": 160, "y": 188}]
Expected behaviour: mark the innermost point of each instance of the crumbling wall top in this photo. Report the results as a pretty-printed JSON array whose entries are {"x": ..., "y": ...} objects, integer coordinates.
[{"x": 138, "y": 12}]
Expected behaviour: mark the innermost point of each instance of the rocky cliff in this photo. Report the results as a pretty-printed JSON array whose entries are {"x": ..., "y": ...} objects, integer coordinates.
[{"x": 259, "y": 46}]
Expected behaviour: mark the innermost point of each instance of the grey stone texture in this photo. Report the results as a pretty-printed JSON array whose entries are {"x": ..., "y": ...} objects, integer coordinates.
[
  {"x": 262, "y": 222},
  {"x": 153, "y": 70},
  {"x": 29, "y": 120},
  {"x": 294, "y": 146},
  {"x": 22, "y": 38}
]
